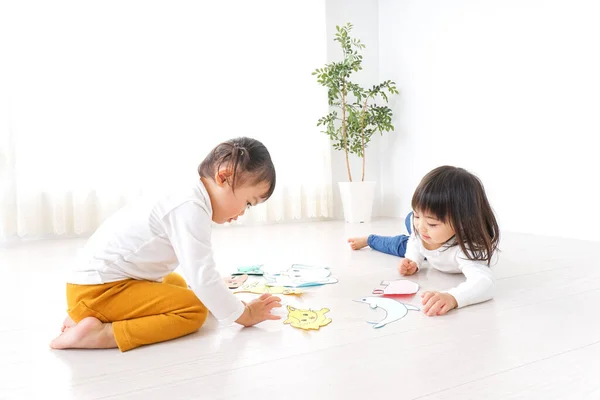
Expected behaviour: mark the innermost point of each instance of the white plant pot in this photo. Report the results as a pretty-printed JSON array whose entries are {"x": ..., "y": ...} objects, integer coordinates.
[{"x": 357, "y": 200}]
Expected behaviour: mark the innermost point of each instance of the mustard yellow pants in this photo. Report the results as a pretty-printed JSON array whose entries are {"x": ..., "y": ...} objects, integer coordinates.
[{"x": 141, "y": 312}]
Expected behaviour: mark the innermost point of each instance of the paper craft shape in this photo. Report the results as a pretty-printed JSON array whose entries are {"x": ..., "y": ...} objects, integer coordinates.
[
  {"x": 400, "y": 286},
  {"x": 260, "y": 288},
  {"x": 307, "y": 319},
  {"x": 394, "y": 310},
  {"x": 300, "y": 275},
  {"x": 235, "y": 281},
  {"x": 250, "y": 270}
]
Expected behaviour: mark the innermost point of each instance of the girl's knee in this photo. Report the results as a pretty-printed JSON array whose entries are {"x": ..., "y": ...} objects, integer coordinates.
[{"x": 198, "y": 316}]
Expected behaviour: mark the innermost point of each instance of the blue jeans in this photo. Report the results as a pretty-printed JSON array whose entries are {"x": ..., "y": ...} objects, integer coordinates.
[{"x": 394, "y": 245}]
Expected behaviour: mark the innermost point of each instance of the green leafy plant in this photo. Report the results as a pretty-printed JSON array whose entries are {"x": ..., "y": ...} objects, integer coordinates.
[{"x": 360, "y": 116}]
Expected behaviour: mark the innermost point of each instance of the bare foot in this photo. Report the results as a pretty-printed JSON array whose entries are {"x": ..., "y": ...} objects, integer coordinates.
[
  {"x": 358, "y": 243},
  {"x": 89, "y": 333},
  {"x": 67, "y": 323}
]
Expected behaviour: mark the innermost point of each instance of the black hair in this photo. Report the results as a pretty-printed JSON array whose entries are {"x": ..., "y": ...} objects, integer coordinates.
[
  {"x": 455, "y": 196},
  {"x": 247, "y": 158}
]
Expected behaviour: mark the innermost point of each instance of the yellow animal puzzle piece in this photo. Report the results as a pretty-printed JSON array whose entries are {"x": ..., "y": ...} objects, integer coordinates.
[
  {"x": 307, "y": 319},
  {"x": 260, "y": 288}
]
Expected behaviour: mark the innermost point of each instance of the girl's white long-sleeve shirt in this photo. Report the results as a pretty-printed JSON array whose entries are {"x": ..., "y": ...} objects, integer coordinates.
[
  {"x": 479, "y": 284},
  {"x": 150, "y": 239}
]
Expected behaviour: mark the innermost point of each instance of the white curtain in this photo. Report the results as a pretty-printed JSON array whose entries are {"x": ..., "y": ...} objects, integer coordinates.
[{"x": 105, "y": 101}]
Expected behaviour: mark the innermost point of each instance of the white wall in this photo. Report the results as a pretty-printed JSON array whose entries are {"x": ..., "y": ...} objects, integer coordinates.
[
  {"x": 507, "y": 89},
  {"x": 109, "y": 100},
  {"x": 364, "y": 15}
]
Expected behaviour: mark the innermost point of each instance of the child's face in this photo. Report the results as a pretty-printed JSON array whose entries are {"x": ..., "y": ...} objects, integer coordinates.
[
  {"x": 229, "y": 205},
  {"x": 432, "y": 231}
]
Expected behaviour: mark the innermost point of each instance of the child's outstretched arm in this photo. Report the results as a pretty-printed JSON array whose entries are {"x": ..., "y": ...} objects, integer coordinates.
[
  {"x": 259, "y": 310},
  {"x": 479, "y": 285},
  {"x": 188, "y": 228}
]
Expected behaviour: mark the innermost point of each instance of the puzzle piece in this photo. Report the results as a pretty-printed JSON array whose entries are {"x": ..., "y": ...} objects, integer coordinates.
[
  {"x": 235, "y": 281},
  {"x": 400, "y": 286},
  {"x": 307, "y": 319},
  {"x": 300, "y": 275},
  {"x": 260, "y": 288},
  {"x": 394, "y": 310},
  {"x": 250, "y": 270}
]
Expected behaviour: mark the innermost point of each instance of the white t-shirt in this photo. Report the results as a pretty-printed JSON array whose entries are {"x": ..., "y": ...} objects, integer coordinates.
[
  {"x": 150, "y": 239},
  {"x": 479, "y": 285}
]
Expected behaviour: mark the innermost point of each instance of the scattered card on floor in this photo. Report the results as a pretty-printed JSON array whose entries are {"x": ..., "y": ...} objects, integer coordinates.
[
  {"x": 235, "y": 281},
  {"x": 307, "y": 319}
]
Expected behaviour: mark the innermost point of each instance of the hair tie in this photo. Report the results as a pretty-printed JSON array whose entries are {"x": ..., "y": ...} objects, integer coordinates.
[{"x": 237, "y": 147}]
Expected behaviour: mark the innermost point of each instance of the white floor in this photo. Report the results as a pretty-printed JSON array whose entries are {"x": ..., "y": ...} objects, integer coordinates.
[{"x": 538, "y": 339}]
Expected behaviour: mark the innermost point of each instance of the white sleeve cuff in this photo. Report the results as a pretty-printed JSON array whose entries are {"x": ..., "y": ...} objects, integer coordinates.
[
  {"x": 234, "y": 316},
  {"x": 223, "y": 304}
]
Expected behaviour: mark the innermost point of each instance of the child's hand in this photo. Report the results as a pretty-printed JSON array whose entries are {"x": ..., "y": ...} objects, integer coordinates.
[
  {"x": 407, "y": 267},
  {"x": 437, "y": 303},
  {"x": 259, "y": 310}
]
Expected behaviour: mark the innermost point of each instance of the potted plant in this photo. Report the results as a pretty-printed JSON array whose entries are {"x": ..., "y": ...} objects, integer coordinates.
[{"x": 359, "y": 118}]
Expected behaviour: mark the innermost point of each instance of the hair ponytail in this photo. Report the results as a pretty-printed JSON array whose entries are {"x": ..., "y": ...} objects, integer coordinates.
[
  {"x": 238, "y": 159},
  {"x": 246, "y": 158}
]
